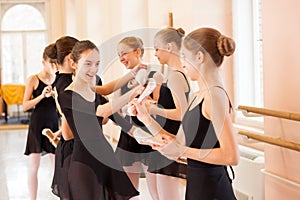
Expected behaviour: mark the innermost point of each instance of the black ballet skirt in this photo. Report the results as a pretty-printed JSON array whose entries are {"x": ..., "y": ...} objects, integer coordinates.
[
  {"x": 204, "y": 181},
  {"x": 94, "y": 171},
  {"x": 128, "y": 149},
  {"x": 64, "y": 149},
  {"x": 159, "y": 163},
  {"x": 44, "y": 115},
  {"x": 60, "y": 184}
]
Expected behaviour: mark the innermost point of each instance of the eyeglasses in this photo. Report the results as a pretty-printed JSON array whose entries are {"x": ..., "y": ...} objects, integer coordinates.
[{"x": 121, "y": 54}]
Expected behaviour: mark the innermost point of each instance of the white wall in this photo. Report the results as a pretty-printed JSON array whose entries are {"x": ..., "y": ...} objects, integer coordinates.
[{"x": 99, "y": 20}]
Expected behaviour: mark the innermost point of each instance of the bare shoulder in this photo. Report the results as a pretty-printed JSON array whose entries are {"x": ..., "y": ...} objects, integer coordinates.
[
  {"x": 32, "y": 81},
  {"x": 218, "y": 93},
  {"x": 176, "y": 75},
  {"x": 219, "y": 99},
  {"x": 177, "y": 79}
]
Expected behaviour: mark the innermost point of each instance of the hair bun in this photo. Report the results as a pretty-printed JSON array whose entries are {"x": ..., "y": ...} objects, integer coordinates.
[
  {"x": 226, "y": 45},
  {"x": 55, "y": 50},
  {"x": 180, "y": 31}
]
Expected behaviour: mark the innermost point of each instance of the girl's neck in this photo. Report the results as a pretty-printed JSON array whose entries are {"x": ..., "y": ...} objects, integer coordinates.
[
  {"x": 136, "y": 64},
  {"x": 65, "y": 68},
  {"x": 175, "y": 63},
  {"x": 209, "y": 77},
  {"x": 46, "y": 77},
  {"x": 83, "y": 88}
]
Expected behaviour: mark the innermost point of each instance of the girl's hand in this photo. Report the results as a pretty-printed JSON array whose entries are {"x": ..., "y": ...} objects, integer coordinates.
[
  {"x": 140, "y": 74},
  {"x": 166, "y": 140},
  {"x": 143, "y": 137},
  {"x": 137, "y": 68},
  {"x": 149, "y": 104},
  {"x": 131, "y": 111},
  {"x": 47, "y": 91},
  {"x": 172, "y": 149},
  {"x": 140, "y": 110}
]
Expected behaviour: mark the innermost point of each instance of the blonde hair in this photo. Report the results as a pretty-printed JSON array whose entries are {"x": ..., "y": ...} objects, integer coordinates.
[{"x": 134, "y": 43}]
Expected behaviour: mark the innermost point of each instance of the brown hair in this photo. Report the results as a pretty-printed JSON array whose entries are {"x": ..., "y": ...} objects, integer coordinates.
[
  {"x": 211, "y": 41},
  {"x": 134, "y": 43},
  {"x": 80, "y": 47},
  {"x": 169, "y": 35},
  {"x": 50, "y": 53},
  {"x": 63, "y": 47}
]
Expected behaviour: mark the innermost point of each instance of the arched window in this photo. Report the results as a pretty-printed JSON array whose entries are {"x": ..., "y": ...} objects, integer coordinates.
[{"x": 23, "y": 38}]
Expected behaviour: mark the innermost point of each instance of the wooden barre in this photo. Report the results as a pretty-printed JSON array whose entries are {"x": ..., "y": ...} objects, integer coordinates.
[
  {"x": 269, "y": 112},
  {"x": 273, "y": 141},
  {"x": 170, "y": 19},
  {"x": 170, "y": 25}
]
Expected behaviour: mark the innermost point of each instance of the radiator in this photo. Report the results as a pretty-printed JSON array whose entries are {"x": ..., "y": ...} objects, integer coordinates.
[{"x": 249, "y": 180}]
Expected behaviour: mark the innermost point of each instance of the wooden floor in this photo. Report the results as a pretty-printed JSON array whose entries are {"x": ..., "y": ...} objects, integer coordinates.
[
  {"x": 13, "y": 126},
  {"x": 14, "y": 166},
  {"x": 14, "y": 123}
]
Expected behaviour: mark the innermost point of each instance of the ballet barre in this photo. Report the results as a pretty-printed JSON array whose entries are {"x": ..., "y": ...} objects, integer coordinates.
[
  {"x": 271, "y": 140},
  {"x": 248, "y": 111},
  {"x": 254, "y": 111},
  {"x": 170, "y": 25},
  {"x": 170, "y": 19}
]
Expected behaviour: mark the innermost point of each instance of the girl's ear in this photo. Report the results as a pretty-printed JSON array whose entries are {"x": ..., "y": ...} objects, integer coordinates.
[
  {"x": 200, "y": 56},
  {"x": 73, "y": 64},
  {"x": 138, "y": 52},
  {"x": 169, "y": 47}
]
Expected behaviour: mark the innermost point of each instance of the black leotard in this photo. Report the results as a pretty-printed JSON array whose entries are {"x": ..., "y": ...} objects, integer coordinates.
[
  {"x": 94, "y": 171},
  {"x": 44, "y": 115},
  {"x": 157, "y": 162},
  {"x": 204, "y": 181}
]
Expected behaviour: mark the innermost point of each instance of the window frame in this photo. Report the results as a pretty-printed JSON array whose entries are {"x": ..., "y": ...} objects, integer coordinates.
[
  {"x": 248, "y": 70},
  {"x": 39, "y": 5}
]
